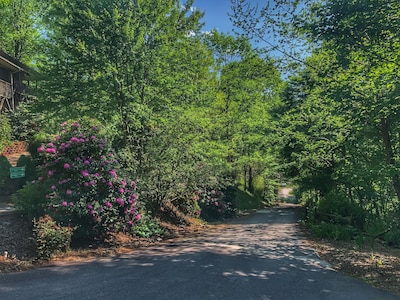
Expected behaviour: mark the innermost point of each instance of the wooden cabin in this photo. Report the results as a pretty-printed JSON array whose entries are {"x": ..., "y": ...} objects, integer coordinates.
[{"x": 14, "y": 82}]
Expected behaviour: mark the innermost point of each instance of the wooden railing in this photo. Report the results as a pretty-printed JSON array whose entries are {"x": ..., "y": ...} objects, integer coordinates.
[{"x": 5, "y": 89}]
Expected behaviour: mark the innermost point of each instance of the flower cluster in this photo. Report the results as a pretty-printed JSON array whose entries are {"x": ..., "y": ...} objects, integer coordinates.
[
  {"x": 86, "y": 188},
  {"x": 213, "y": 204}
]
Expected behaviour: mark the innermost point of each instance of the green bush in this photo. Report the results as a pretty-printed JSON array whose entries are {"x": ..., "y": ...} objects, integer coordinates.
[
  {"x": 214, "y": 204},
  {"x": 50, "y": 238},
  {"x": 147, "y": 227},
  {"x": 334, "y": 231},
  {"x": 336, "y": 208},
  {"x": 24, "y": 123},
  {"x": 392, "y": 238},
  {"x": 5, "y": 131},
  {"x": 30, "y": 167},
  {"x": 31, "y": 199},
  {"x": 4, "y": 170}
]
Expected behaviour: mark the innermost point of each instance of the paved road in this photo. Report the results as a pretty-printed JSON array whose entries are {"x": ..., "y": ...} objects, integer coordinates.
[{"x": 261, "y": 256}]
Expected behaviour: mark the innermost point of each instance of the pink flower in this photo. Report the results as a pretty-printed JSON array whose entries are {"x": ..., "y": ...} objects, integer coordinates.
[
  {"x": 40, "y": 149},
  {"x": 121, "y": 190},
  {"x": 86, "y": 162},
  {"x": 120, "y": 201},
  {"x": 133, "y": 185},
  {"x": 89, "y": 206},
  {"x": 113, "y": 173},
  {"x": 50, "y": 173},
  {"x": 130, "y": 223},
  {"x": 68, "y": 192},
  {"x": 216, "y": 203},
  {"x": 53, "y": 187},
  {"x": 108, "y": 204},
  {"x": 51, "y": 150},
  {"x": 66, "y": 166},
  {"x": 63, "y": 124},
  {"x": 74, "y": 139},
  {"x": 137, "y": 217},
  {"x": 64, "y": 203},
  {"x": 85, "y": 173},
  {"x": 40, "y": 178},
  {"x": 75, "y": 124}
]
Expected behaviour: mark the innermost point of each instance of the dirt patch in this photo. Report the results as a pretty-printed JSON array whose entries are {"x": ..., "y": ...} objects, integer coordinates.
[
  {"x": 375, "y": 263},
  {"x": 17, "y": 250}
]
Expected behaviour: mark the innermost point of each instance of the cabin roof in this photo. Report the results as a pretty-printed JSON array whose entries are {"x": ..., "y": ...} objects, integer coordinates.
[{"x": 10, "y": 63}]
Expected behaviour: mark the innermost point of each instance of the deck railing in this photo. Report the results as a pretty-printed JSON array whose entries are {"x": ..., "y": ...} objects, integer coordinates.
[{"x": 5, "y": 89}]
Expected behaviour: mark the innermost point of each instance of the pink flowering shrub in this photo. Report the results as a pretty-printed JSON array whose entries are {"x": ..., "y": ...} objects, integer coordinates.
[
  {"x": 85, "y": 186},
  {"x": 214, "y": 204}
]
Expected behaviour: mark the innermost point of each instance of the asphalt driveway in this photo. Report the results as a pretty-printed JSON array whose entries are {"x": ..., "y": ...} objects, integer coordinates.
[{"x": 260, "y": 256}]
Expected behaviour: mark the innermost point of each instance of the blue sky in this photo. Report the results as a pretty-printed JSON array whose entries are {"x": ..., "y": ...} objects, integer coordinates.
[{"x": 216, "y": 14}]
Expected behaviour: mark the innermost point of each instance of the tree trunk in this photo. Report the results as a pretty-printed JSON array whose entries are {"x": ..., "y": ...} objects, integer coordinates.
[
  {"x": 385, "y": 129},
  {"x": 245, "y": 178},
  {"x": 250, "y": 182}
]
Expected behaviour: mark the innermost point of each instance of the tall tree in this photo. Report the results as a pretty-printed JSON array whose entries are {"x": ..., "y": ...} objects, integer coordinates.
[
  {"x": 115, "y": 59},
  {"x": 19, "y": 28},
  {"x": 247, "y": 92}
]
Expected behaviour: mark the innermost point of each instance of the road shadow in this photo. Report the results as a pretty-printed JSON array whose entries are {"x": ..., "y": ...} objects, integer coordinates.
[{"x": 260, "y": 256}]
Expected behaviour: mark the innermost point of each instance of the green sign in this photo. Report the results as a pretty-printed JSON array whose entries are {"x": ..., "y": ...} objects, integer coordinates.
[{"x": 17, "y": 172}]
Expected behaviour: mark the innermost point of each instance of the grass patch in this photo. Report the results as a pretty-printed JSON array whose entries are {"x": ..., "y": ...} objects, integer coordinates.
[{"x": 247, "y": 201}]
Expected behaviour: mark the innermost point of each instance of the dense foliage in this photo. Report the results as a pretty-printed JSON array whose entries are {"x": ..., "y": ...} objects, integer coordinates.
[{"x": 340, "y": 115}]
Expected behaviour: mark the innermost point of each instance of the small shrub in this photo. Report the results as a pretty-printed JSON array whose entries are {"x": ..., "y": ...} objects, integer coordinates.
[
  {"x": 50, "y": 238},
  {"x": 334, "y": 231},
  {"x": 147, "y": 227},
  {"x": 4, "y": 170},
  {"x": 214, "y": 204},
  {"x": 30, "y": 167},
  {"x": 31, "y": 199}
]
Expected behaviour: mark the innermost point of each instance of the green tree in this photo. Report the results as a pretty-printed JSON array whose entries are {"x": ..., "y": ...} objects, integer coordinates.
[
  {"x": 247, "y": 92},
  {"x": 19, "y": 28}
]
